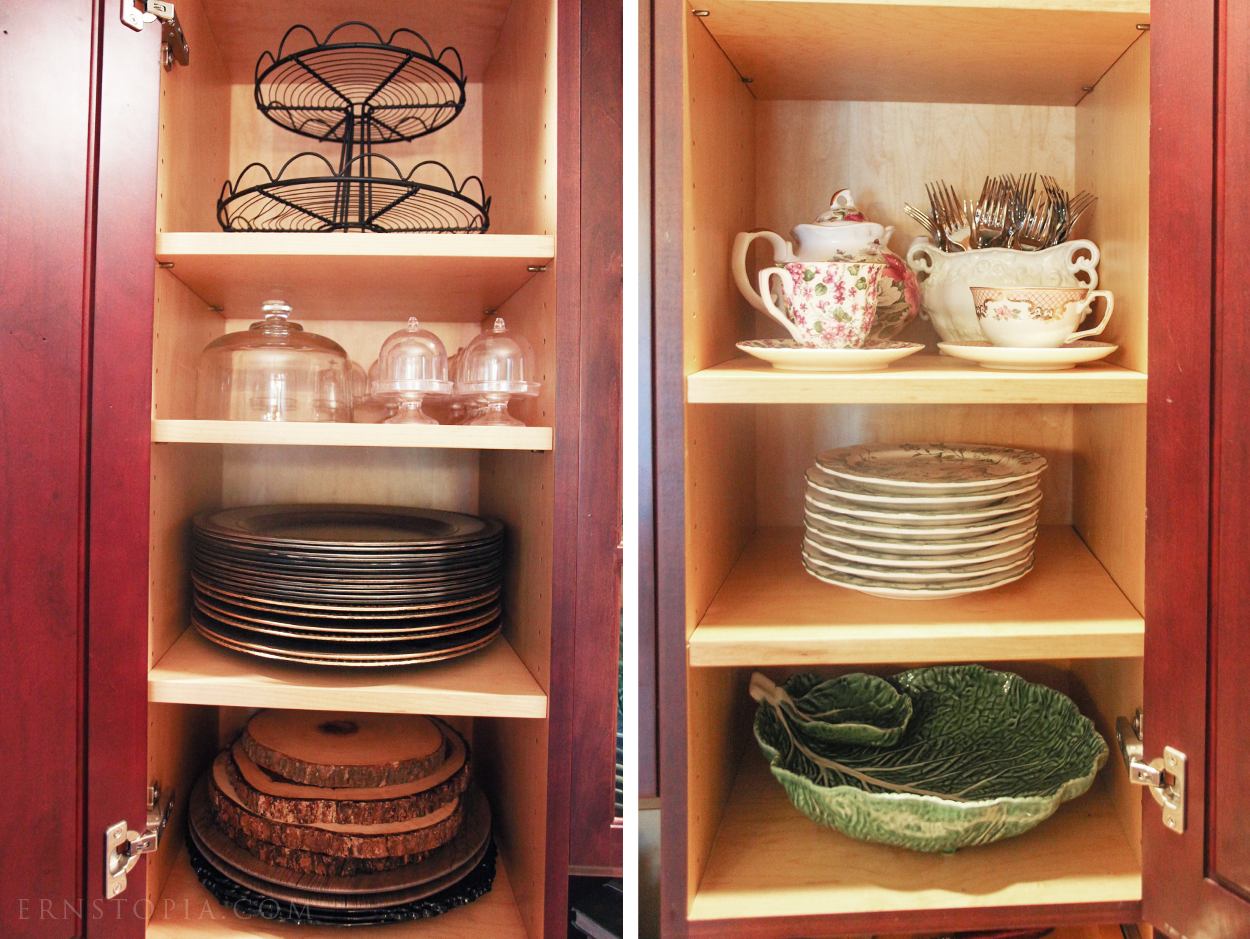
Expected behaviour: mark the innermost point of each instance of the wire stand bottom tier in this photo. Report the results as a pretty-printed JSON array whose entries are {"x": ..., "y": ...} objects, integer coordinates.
[{"x": 358, "y": 198}]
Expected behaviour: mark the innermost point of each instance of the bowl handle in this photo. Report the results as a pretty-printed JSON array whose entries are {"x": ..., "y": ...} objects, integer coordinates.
[{"x": 1075, "y": 265}]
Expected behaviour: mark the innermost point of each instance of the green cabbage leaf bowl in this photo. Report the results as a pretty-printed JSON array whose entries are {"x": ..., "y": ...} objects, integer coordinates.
[{"x": 932, "y": 759}]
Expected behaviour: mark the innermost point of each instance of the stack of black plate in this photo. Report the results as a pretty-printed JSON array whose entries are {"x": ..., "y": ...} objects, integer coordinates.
[{"x": 347, "y": 584}]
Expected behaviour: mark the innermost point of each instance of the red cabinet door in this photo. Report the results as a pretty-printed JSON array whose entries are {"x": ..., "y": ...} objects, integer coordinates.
[
  {"x": 1197, "y": 694},
  {"x": 77, "y": 221}
]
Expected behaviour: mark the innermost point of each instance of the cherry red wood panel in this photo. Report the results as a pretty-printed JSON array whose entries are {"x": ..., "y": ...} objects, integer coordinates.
[
  {"x": 667, "y": 102},
  {"x": 1198, "y": 147},
  {"x": 46, "y": 66},
  {"x": 120, "y": 447},
  {"x": 566, "y": 450},
  {"x": 1228, "y": 828},
  {"x": 595, "y": 842}
]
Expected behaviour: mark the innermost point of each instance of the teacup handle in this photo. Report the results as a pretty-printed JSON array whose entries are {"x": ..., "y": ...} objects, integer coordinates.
[
  {"x": 738, "y": 261},
  {"x": 1097, "y": 330},
  {"x": 766, "y": 295}
]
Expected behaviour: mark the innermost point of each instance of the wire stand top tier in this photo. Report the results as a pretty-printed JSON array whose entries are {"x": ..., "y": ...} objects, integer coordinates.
[
  {"x": 358, "y": 90},
  {"x": 350, "y": 90}
]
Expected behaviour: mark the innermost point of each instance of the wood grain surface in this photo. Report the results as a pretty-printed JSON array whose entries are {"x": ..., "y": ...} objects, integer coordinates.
[
  {"x": 771, "y": 861},
  {"x": 771, "y": 611},
  {"x": 117, "y": 537},
  {"x": 492, "y": 682},
  {"x": 595, "y": 840},
  {"x": 47, "y": 87},
  {"x": 1011, "y": 53},
  {"x": 917, "y": 379}
]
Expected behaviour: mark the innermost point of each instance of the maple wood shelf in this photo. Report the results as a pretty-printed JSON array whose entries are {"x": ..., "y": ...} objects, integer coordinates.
[
  {"x": 447, "y": 436},
  {"x": 917, "y": 379},
  {"x": 490, "y": 683},
  {"x": 1036, "y": 52},
  {"x": 355, "y": 275},
  {"x": 770, "y": 611},
  {"x": 770, "y": 860},
  {"x": 187, "y": 911}
]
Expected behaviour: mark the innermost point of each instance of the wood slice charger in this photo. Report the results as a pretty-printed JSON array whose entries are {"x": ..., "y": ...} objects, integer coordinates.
[
  {"x": 336, "y": 750},
  {"x": 410, "y": 838},
  {"x": 340, "y": 875},
  {"x": 267, "y": 794}
]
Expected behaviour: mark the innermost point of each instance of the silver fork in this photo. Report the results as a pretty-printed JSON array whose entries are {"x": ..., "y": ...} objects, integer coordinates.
[
  {"x": 927, "y": 222},
  {"x": 992, "y": 215}
]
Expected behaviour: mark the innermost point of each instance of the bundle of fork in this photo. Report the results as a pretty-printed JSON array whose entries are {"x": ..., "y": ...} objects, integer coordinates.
[{"x": 1013, "y": 212}]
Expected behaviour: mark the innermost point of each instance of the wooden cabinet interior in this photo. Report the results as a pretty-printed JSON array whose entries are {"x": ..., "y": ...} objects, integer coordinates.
[
  {"x": 756, "y": 156},
  {"x": 359, "y": 288}
]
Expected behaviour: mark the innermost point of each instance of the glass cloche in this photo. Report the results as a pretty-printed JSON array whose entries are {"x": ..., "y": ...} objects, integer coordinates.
[
  {"x": 411, "y": 365},
  {"x": 497, "y": 366},
  {"x": 274, "y": 371}
]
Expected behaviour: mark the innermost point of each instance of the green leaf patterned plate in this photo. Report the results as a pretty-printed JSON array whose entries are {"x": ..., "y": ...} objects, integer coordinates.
[{"x": 932, "y": 759}]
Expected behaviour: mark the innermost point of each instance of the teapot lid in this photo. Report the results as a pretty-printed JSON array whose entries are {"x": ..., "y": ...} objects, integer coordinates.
[{"x": 842, "y": 210}]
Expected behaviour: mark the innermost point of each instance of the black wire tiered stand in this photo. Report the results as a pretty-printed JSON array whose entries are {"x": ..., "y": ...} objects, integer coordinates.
[{"x": 358, "y": 94}]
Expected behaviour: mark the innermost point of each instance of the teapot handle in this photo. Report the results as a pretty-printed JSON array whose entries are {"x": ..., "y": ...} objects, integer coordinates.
[{"x": 738, "y": 261}]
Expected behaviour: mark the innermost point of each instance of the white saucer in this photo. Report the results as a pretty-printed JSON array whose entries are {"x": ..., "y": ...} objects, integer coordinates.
[
  {"x": 988, "y": 355},
  {"x": 788, "y": 355}
]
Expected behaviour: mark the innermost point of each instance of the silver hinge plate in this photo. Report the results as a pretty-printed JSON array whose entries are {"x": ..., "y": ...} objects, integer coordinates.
[
  {"x": 1164, "y": 777},
  {"x": 123, "y": 846},
  {"x": 174, "y": 48}
]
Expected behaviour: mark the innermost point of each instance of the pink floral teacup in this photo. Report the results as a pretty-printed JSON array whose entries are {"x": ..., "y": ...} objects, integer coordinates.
[
  {"x": 828, "y": 304},
  {"x": 1036, "y": 317}
]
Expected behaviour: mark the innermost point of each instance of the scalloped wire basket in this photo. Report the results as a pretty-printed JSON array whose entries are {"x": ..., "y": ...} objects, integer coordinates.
[
  {"x": 357, "y": 93},
  {"x": 427, "y": 199},
  {"x": 362, "y": 92}
]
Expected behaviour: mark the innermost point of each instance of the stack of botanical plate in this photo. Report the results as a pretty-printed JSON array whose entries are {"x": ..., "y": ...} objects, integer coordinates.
[
  {"x": 347, "y": 584},
  {"x": 922, "y": 521},
  {"x": 330, "y": 817}
]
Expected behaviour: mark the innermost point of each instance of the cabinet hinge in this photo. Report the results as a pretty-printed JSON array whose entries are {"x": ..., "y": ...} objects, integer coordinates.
[
  {"x": 174, "y": 46},
  {"x": 123, "y": 846},
  {"x": 1163, "y": 776}
]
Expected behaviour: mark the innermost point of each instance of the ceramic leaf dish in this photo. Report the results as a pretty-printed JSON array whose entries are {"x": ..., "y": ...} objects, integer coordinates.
[{"x": 932, "y": 759}]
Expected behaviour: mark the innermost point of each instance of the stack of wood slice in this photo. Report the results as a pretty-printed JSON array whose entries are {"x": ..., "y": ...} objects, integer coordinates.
[{"x": 338, "y": 794}]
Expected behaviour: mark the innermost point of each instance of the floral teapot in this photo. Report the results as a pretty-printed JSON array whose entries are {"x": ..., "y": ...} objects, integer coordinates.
[{"x": 841, "y": 233}]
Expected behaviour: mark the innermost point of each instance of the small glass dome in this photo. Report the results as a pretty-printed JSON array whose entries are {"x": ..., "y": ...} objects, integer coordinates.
[
  {"x": 411, "y": 365},
  {"x": 274, "y": 371},
  {"x": 497, "y": 366}
]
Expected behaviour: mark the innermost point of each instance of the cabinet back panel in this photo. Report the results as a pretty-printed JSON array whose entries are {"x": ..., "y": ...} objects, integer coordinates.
[
  {"x": 256, "y": 139},
  {"x": 885, "y": 152},
  {"x": 519, "y": 124}
]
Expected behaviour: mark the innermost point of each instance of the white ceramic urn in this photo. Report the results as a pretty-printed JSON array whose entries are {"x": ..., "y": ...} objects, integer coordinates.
[{"x": 946, "y": 279}]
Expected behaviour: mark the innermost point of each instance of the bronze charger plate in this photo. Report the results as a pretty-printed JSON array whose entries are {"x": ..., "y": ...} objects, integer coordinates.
[
  {"x": 415, "y": 652},
  {"x": 339, "y": 636},
  {"x": 467, "y": 597},
  {"x": 429, "y": 611},
  {"x": 346, "y": 527},
  {"x": 415, "y": 625}
]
